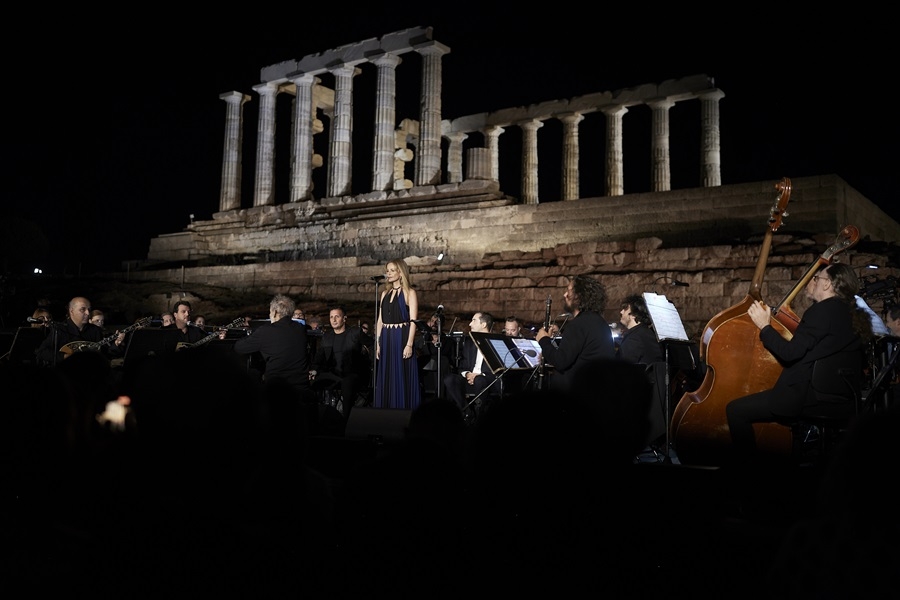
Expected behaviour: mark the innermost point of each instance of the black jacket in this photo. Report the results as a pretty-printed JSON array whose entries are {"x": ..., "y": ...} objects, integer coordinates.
[
  {"x": 346, "y": 362},
  {"x": 282, "y": 345}
]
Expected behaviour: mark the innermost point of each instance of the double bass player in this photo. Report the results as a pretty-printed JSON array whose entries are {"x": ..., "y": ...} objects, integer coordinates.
[{"x": 832, "y": 324}]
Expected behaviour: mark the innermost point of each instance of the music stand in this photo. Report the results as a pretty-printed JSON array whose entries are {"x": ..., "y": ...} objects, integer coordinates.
[
  {"x": 669, "y": 330},
  {"x": 26, "y": 343},
  {"x": 882, "y": 383},
  {"x": 502, "y": 354},
  {"x": 149, "y": 341}
]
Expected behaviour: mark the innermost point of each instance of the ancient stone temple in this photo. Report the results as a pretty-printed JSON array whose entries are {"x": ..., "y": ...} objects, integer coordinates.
[{"x": 435, "y": 194}]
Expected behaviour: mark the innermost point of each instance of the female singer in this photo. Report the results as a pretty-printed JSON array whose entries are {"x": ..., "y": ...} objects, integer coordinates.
[{"x": 397, "y": 373}]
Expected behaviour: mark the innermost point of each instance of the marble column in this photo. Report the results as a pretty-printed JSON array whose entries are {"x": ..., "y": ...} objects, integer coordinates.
[
  {"x": 302, "y": 139},
  {"x": 428, "y": 150},
  {"x": 492, "y": 140},
  {"x": 570, "y": 154},
  {"x": 710, "y": 151},
  {"x": 478, "y": 164},
  {"x": 530, "y": 161},
  {"x": 455, "y": 157},
  {"x": 615, "y": 173},
  {"x": 230, "y": 196},
  {"x": 385, "y": 122},
  {"x": 340, "y": 163},
  {"x": 264, "y": 188},
  {"x": 659, "y": 145}
]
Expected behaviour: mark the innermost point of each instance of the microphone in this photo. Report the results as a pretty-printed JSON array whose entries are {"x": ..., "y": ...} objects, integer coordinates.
[
  {"x": 564, "y": 316},
  {"x": 677, "y": 283},
  {"x": 440, "y": 309},
  {"x": 35, "y": 320},
  {"x": 376, "y": 278},
  {"x": 530, "y": 353}
]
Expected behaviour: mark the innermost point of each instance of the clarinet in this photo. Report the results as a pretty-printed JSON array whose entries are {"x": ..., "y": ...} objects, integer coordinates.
[
  {"x": 547, "y": 314},
  {"x": 541, "y": 384}
]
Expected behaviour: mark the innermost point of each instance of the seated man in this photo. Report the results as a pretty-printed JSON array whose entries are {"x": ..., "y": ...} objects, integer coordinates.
[
  {"x": 512, "y": 328},
  {"x": 65, "y": 337},
  {"x": 473, "y": 375},
  {"x": 339, "y": 360},
  {"x": 638, "y": 343}
]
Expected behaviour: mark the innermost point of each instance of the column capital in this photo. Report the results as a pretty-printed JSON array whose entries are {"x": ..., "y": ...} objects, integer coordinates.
[
  {"x": 386, "y": 60},
  {"x": 457, "y": 136},
  {"x": 712, "y": 95},
  {"x": 346, "y": 69},
  {"x": 266, "y": 89},
  {"x": 302, "y": 78},
  {"x": 614, "y": 111},
  {"x": 661, "y": 103},
  {"x": 234, "y": 97},
  {"x": 571, "y": 118},
  {"x": 531, "y": 125},
  {"x": 431, "y": 47}
]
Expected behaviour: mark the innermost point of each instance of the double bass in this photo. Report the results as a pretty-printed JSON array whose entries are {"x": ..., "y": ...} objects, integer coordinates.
[{"x": 738, "y": 364}]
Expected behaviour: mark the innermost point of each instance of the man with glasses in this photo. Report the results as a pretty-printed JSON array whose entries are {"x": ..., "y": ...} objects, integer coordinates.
[{"x": 833, "y": 324}]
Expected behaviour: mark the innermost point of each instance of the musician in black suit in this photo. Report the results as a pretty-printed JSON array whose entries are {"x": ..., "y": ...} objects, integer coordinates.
[
  {"x": 77, "y": 327},
  {"x": 638, "y": 343},
  {"x": 282, "y": 344},
  {"x": 188, "y": 333},
  {"x": 473, "y": 374},
  {"x": 588, "y": 337},
  {"x": 339, "y": 359},
  {"x": 832, "y": 324}
]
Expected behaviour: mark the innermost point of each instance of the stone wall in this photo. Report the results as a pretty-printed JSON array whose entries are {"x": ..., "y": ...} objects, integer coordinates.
[
  {"x": 467, "y": 220},
  {"x": 507, "y": 258}
]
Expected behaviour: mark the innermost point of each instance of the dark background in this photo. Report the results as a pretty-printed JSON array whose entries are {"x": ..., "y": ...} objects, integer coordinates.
[{"x": 115, "y": 136}]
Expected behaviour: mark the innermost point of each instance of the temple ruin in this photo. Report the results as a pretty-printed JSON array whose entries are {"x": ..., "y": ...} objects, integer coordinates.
[{"x": 435, "y": 186}]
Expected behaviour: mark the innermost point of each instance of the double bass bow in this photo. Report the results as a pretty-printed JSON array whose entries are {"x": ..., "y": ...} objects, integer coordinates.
[
  {"x": 783, "y": 313},
  {"x": 737, "y": 365}
]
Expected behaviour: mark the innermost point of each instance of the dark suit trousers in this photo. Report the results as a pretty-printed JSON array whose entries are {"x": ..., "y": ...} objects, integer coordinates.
[{"x": 457, "y": 387}]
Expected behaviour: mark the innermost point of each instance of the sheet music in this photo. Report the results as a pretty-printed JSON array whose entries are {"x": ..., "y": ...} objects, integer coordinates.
[
  {"x": 523, "y": 344},
  {"x": 666, "y": 320}
]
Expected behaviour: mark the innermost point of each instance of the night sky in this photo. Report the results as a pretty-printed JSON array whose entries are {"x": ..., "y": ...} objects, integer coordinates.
[{"x": 118, "y": 138}]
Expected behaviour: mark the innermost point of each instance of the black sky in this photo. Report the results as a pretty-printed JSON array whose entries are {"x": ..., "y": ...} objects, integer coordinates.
[{"x": 121, "y": 141}]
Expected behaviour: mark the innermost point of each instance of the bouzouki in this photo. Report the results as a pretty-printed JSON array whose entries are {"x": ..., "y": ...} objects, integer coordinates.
[
  {"x": 82, "y": 345},
  {"x": 212, "y": 336}
]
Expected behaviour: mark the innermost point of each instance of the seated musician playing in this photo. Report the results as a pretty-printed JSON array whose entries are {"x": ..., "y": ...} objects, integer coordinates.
[
  {"x": 189, "y": 333},
  {"x": 77, "y": 327},
  {"x": 638, "y": 344},
  {"x": 588, "y": 337},
  {"x": 832, "y": 324}
]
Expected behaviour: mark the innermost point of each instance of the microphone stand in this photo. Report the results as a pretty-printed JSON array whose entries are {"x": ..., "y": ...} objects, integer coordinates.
[
  {"x": 377, "y": 281},
  {"x": 440, "y": 333}
]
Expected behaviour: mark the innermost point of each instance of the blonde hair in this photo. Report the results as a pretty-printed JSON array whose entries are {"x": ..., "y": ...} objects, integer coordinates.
[{"x": 404, "y": 275}]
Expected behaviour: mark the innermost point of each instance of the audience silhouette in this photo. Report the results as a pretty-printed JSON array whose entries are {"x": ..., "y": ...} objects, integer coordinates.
[{"x": 216, "y": 484}]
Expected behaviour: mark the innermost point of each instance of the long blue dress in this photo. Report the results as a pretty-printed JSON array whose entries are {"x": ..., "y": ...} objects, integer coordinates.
[{"x": 397, "y": 379}]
